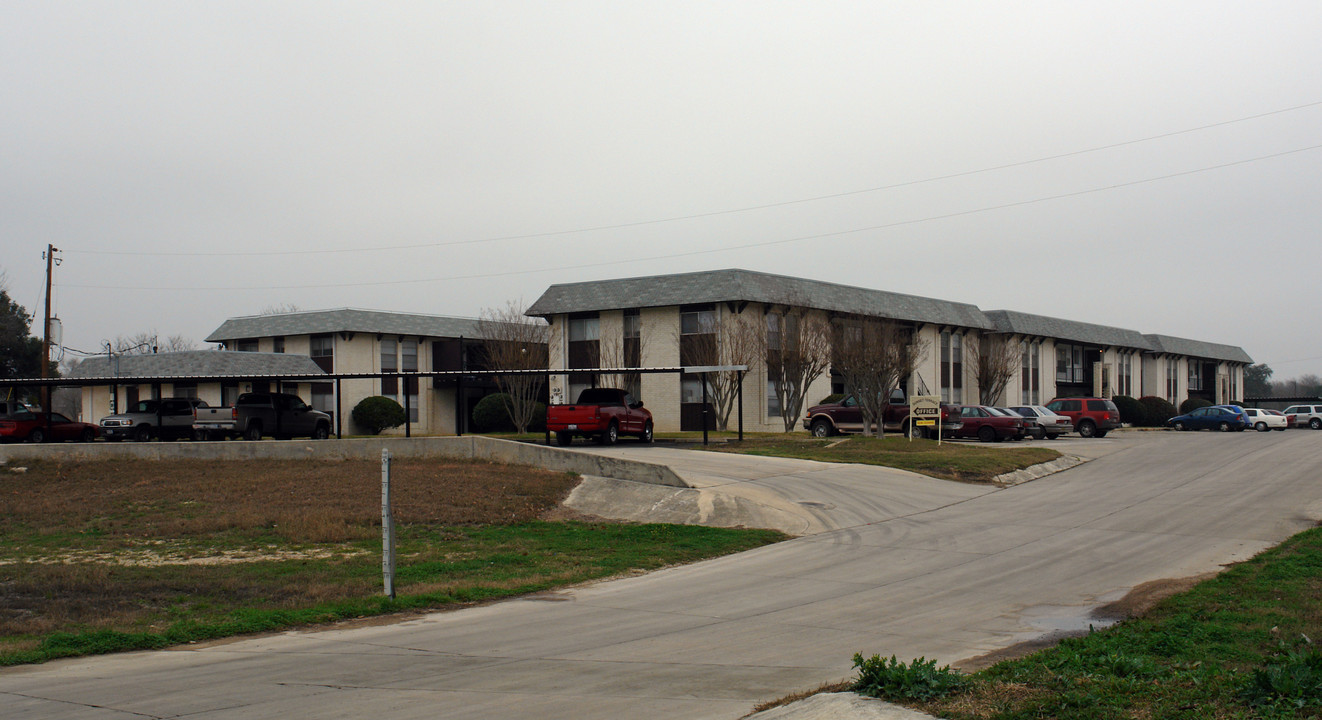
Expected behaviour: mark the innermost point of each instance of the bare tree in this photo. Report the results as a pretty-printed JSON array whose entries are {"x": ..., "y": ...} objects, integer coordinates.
[
  {"x": 514, "y": 341},
  {"x": 280, "y": 309},
  {"x": 994, "y": 363},
  {"x": 798, "y": 352},
  {"x": 625, "y": 350},
  {"x": 873, "y": 355},
  {"x": 145, "y": 343},
  {"x": 731, "y": 339}
]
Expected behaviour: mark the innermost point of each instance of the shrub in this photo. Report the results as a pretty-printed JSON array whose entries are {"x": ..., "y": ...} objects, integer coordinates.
[
  {"x": 1156, "y": 411},
  {"x": 377, "y": 413},
  {"x": 492, "y": 414},
  {"x": 894, "y": 680},
  {"x": 1131, "y": 410},
  {"x": 1192, "y": 404}
]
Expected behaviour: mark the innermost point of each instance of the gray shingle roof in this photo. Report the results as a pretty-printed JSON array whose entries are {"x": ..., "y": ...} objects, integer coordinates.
[
  {"x": 1010, "y": 321},
  {"x": 1198, "y": 348},
  {"x": 735, "y": 285},
  {"x": 344, "y": 320},
  {"x": 193, "y": 363}
]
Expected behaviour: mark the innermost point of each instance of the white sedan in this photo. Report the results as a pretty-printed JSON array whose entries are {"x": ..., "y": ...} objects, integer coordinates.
[{"x": 1264, "y": 420}]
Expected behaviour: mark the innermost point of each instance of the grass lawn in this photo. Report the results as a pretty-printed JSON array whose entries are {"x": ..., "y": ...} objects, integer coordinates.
[
  {"x": 107, "y": 556},
  {"x": 951, "y": 461},
  {"x": 1240, "y": 645}
]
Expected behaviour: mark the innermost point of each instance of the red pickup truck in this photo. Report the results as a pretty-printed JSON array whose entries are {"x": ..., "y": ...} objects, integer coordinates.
[
  {"x": 845, "y": 416},
  {"x": 603, "y": 413}
]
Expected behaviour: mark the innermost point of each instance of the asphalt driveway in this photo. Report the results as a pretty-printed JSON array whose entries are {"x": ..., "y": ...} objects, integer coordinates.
[{"x": 889, "y": 563}]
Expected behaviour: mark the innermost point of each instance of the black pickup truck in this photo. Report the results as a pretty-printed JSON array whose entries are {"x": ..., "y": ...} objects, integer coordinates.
[{"x": 255, "y": 415}]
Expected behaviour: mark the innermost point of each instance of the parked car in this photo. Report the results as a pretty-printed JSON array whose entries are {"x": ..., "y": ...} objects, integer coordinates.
[
  {"x": 1264, "y": 420},
  {"x": 1289, "y": 419},
  {"x": 1043, "y": 423},
  {"x": 1092, "y": 417},
  {"x": 1214, "y": 417},
  {"x": 988, "y": 424},
  {"x": 254, "y": 415},
  {"x": 1310, "y": 415},
  {"x": 31, "y": 426},
  {"x": 167, "y": 419},
  {"x": 846, "y": 416},
  {"x": 602, "y": 413}
]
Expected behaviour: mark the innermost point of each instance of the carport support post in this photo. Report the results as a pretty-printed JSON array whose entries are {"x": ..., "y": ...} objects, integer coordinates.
[
  {"x": 387, "y": 527},
  {"x": 339, "y": 415}
]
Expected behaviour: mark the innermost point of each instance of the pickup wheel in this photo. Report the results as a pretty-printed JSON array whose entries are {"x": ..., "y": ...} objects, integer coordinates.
[
  {"x": 142, "y": 433},
  {"x": 822, "y": 428},
  {"x": 87, "y": 435},
  {"x": 646, "y": 437},
  {"x": 254, "y": 432},
  {"x": 322, "y": 432},
  {"x": 563, "y": 439},
  {"x": 610, "y": 436}
]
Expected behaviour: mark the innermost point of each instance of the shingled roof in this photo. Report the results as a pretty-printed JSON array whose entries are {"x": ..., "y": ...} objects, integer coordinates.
[
  {"x": 197, "y": 363},
  {"x": 1198, "y": 348},
  {"x": 737, "y": 285},
  {"x": 344, "y": 320},
  {"x": 1010, "y": 321}
]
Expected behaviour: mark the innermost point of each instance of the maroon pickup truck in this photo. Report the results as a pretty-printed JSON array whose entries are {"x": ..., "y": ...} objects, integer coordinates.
[
  {"x": 603, "y": 413},
  {"x": 846, "y": 416}
]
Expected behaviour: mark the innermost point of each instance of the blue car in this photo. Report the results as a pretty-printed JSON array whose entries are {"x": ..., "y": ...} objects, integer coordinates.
[{"x": 1215, "y": 417}]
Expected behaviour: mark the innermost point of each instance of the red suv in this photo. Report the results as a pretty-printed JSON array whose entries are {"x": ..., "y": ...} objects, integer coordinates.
[{"x": 1092, "y": 417}]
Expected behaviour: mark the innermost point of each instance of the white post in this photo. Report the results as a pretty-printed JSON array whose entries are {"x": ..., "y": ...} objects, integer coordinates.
[{"x": 387, "y": 527}]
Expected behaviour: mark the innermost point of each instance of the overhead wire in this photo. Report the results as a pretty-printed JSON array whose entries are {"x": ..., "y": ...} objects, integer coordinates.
[
  {"x": 728, "y": 248},
  {"x": 715, "y": 213}
]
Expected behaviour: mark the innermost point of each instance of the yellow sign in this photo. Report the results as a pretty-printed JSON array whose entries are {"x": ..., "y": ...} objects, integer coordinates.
[{"x": 925, "y": 423}]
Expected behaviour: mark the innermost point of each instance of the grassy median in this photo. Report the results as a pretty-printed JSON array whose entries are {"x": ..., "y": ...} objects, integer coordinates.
[
  {"x": 950, "y": 461},
  {"x": 126, "y": 554}
]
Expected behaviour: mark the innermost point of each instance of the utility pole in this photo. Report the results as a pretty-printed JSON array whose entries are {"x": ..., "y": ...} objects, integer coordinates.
[{"x": 45, "y": 335}]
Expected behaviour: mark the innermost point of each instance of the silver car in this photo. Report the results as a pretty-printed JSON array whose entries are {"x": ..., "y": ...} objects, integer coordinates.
[{"x": 1042, "y": 423}]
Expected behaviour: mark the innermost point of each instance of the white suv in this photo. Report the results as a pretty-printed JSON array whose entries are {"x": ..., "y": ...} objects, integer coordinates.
[{"x": 1310, "y": 415}]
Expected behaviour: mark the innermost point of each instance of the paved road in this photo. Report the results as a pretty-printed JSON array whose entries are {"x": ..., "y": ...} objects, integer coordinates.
[{"x": 895, "y": 564}]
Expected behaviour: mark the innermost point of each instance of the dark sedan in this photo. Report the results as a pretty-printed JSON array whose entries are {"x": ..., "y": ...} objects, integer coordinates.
[
  {"x": 31, "y": 426},
  {"x": 1217, "y": 417},
  {"x": 989, "y": 424}
]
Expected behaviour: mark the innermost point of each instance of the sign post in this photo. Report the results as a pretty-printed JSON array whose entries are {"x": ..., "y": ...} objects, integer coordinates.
[
  {"x": 387, "y": 527},
  {"x": 925, "y": 411}
]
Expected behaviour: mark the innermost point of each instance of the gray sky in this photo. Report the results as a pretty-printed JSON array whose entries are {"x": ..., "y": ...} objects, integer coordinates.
[{"x": 201, "y": 160}]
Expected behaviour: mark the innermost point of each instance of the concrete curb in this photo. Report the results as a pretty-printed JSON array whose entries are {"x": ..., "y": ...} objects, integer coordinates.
[
  {"x": 469, "y": 447},
  {"x": 1033, "y": 472}
]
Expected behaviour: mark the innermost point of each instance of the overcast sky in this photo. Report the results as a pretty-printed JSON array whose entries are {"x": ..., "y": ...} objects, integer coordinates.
[{"x": 1148, "y": 165}]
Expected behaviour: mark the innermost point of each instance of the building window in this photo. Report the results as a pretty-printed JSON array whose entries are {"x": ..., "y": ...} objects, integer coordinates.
[
  {"x": 1172, "y": 380},
  {"x": 246, "y": 345},
  {"x": 1030, "y": 372},
  {"x": 408, "y": 362},
  {"x": 321, "y": 349},
  {"x": 1069, "y": 364},
  {"x": 1195, "y": 376},
  {"x": 773, "y": 400},
  {"x": 278, "y": 344},
  {"x": 1126, "y": 373},
  {"x": 584, "y": 351},
  {"x": 952, "y": 367},
  {"x": 185, "y": 389},
  {"x": 389, "y": 364}
]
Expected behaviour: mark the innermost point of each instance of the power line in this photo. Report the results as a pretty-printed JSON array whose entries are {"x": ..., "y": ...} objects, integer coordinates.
[
  {"x": 716, "y": 213},
  {"x": 746, "y": 246}
]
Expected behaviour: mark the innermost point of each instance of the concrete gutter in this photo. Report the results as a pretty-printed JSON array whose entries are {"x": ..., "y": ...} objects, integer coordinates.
[
  {"x": 1033, "y": 472},
  {"x": 468, "y": 447}
]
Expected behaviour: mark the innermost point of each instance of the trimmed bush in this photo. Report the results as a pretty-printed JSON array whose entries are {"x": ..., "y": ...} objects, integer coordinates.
[
  {"x": 377, "y": 413},
  {"x": 1192, "y": 404},
  {"x": 1156, "y": 411},
  {"x": 491, "y": 414},
  {"x": 1131, "y": 410}
]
